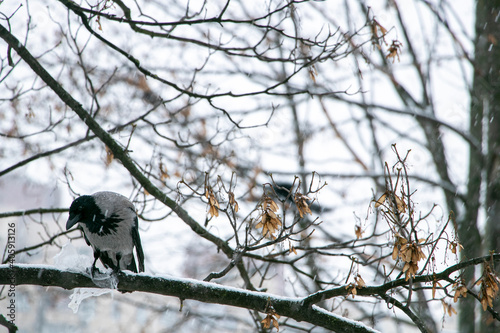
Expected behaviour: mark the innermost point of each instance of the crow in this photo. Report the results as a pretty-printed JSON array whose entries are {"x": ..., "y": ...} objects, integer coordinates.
[{"x": 110, "y": 226}]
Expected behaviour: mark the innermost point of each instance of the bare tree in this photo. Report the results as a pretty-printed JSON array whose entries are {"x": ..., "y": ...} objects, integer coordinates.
[{"x": 246, "y": 134}]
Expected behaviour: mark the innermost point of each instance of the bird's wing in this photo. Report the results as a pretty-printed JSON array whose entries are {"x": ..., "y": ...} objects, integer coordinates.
[
  {"x": 132, "y": 266},
  {"x": 85, "y": 236},
  {"x": 136, "y": 239}
]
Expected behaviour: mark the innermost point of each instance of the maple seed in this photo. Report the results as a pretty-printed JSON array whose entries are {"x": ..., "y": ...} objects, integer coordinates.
[
  {"x": 453, "y": 247},
  {"x": 358, "y": 231},
  {"x": 410, "y": 254},
  {"x": 400, "y": 204},
  {"x": 377, "y": 26},
  {"x": 270, "y": 222},
  {"x": 489, "y": 286},
  {"x": 359, "y": 281},
  {"x": 313, "y": 73},
  {"x": 434, "y": 284},
  {"x": 378, "y": 31},
  {"x": 354, "y": 286},
  {"x": 163, "y": 172},
  {"x": 351, "y": 289},
  {"x": 448, "y": 308},
  {"x": 394, "y": 50},
  {"x": 302, "y": 205},
  {"x": 233, "y": 202},
  {"x": 212, "y": 201},
  {"x": 380, "y": 200},
  {"x": 271, "y": 317},
  {"x": 109, "y": 156},
  {"x": 460, "y": 290}
]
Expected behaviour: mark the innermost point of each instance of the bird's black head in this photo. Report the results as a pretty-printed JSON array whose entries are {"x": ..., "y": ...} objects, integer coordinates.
[{"x": 81, "y": 210}]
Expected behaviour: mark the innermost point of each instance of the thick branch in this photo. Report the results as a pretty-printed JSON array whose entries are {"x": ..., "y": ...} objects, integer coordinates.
[
  {"x": 10, "y": 326},
  {"x": 185, "y": 289}
]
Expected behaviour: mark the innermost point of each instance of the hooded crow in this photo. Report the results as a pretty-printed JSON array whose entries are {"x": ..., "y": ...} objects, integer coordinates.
[{"x": 110, "y": 226}]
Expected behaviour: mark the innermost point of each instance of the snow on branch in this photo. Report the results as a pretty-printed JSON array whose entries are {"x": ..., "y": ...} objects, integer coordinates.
[{"x": 294, "y": 308}]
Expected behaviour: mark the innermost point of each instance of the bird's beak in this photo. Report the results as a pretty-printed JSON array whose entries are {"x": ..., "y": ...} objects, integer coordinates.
[{"x": 72, "y": 220}]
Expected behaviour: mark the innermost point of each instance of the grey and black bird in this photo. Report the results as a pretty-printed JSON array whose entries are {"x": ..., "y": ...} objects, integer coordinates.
[{"x": 110, "y": 226}]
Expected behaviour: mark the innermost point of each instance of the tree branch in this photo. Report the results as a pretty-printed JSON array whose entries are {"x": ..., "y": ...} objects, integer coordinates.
[
  {"x": 294, "y": 308},
  {"x": 406, "y": 309},
  {"x": 45, "y": 154},
  {"x": 10, "y": 326},
  {"x": 382, "y": 289},
  {"x": 34, "y": 211}
]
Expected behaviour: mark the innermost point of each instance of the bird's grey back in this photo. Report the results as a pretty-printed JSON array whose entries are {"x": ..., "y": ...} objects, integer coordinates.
[{"x": 113, "y": 203}]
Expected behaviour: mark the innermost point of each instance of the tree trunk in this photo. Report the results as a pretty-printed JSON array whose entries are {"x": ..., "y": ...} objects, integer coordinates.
[
  {"x": 488, "y": 75},
  {"x": 484, "y": 166}
]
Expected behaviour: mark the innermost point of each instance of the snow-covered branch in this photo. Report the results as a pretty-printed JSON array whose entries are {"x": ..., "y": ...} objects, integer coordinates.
[{"x": 184, "y": 289}]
